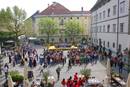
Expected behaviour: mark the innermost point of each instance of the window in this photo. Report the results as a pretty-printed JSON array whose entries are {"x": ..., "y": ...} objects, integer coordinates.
[
  {"x": 114, "y": 9},
  {"x": 121, "y": 27},
  {"x": 100, "y": 16},
  {"x": 108, "y": 28},
  {"x": 52, "y": 18},
  {"x": 104, "y": 29},
  {"x": 108, "y": 44},
  {"x": 108, "y": 12},
  {"x": 122, "y": 7},
  {"x": 108, "y": 0},
  {"x": 104, "y": 43},
  {"x": 104, "y": 14},
  {"x": 120, "y": 47},
  {"x": 77, "y": 17},
  {"x": 61, "y": 22},
  {"x": 97, "y": 30},
  {"x": 114, "y": 28},
  {"x": 100, "y": 42},
  {"x": 93, "y": 30},
  {"x": 97, "y": 17},
  {"x": 113, "y": 45},
  {"x": 100, "y": 28},
  {"x": 95, "y": 40}
]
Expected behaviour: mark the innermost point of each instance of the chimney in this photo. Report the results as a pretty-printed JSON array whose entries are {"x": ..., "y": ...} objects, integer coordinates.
[
  {"x": 48, "y": 5},
  {"x": 54, "y": 2},
  {"x": 82, "y": 9}
]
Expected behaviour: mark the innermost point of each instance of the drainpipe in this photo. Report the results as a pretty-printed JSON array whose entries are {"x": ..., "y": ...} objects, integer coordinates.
[
  {"x": 96, "y": 27},
  {"x": 91, "y": 30},
  {"x": 129, "y": 20},
  {"x": 117, "y": 43},
  {"x": 129, "y": 45}
]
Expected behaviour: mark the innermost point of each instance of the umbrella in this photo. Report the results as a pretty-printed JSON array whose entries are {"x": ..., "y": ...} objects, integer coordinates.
[
  {"x": 73, "y": 47},
  {"x": 52, "y": 48},
  {"x": 81, "y": 76},
  {"x": 128, "y": 81},
  {"x": 10, "y": 82},
  {"x": 93, "y": 81},
  {"x": 51, "y": 79}
]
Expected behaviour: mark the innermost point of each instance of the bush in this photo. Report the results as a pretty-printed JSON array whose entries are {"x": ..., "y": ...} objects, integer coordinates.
[
  {"x": 45, "y": 76},
  {"x": 14, "y": 73},
  {"x": 85, "y": 72},
  {"x": 16, "y": 77}
]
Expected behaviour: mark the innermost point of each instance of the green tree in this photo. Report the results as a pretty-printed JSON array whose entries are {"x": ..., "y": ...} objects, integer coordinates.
[
  {"x": 29, "y": 27},
  {"x": 48, "y": 26},
  {"x": 72, "y": 29},
  {"x": 13, "y": 21}
]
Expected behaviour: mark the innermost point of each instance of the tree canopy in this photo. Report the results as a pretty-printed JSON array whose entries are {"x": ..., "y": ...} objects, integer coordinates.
[
  {"x": 73, "y": 28},
  {"x": 28, "y": 27},
  {"x": 48, "y": 27},
  {"x": 12, "y": 20}
]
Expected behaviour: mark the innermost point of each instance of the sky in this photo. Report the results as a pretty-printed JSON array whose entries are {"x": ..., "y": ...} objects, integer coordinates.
[{"x": 31, "y": 6}]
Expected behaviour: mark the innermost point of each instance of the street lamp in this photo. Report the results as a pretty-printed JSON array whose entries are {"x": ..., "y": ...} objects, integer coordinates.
[
  {"x": 129, "y": 46},
  {"x": 128, "y": 60}
]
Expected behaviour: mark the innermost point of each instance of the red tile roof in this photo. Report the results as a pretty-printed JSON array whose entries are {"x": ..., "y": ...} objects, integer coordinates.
[
  {"x": 58, "y": 9},
  {"x": 55, "y": 9}
]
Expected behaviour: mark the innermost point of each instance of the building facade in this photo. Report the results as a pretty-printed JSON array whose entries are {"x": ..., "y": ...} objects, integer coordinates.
[
  {"x": 61, "y": 14},
  {"x": 109, "y": 26}
]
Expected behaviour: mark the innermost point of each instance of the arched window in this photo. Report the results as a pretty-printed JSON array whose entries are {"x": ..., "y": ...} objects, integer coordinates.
[
  {"x": 120, "y": 47},
  {"x": 108, "y": 44},
  {"x": 113, "y": 45}
]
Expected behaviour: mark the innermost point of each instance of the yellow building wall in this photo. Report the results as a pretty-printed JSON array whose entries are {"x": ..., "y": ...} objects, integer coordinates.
[{"x": 84, "y": 20}]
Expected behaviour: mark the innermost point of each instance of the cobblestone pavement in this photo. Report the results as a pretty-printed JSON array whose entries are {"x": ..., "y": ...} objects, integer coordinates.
[{"x": 98, "y": 70}]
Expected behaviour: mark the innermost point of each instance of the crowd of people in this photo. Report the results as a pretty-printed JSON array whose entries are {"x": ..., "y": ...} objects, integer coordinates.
[
  {"x": 52, "y": 57},
  {"x": 82, "y": 56},
  {"x": 91, "y": 54},
  {"x": 22, "y": 55}
]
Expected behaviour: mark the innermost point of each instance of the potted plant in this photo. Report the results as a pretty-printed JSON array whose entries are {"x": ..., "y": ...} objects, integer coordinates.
[
  {"x": 16, "y": 77},
  {"x": 45, "y": 77},
  {"x": 86, "y": 73}
]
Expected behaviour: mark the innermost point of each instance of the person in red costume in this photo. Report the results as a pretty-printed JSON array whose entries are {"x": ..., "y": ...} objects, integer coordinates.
[
  {"x": 75, "y": 84},
  {"x": 75, "y": 76},
  {"x": 80, "y": 82},
  {"x": 63, "y": 82},
  {"x": 69, "y": 82}
]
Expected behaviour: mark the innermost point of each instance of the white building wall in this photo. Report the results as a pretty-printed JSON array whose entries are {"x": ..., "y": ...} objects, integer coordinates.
[{"x": 111, "y": 37}]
